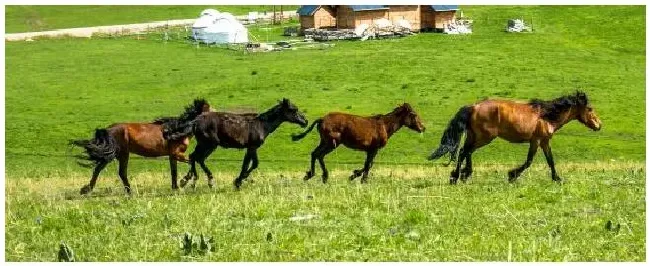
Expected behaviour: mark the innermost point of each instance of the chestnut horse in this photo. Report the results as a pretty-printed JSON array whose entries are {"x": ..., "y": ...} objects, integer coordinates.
[
  {"x": 166, "y": 136},
  {"x": 367, "y": 134},
  {"x": 239, "y": 131},
  {"x": 533, "y": 122}
]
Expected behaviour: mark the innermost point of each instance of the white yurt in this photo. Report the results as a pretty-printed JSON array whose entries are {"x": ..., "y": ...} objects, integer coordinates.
[{"x": 215, "y": 27}]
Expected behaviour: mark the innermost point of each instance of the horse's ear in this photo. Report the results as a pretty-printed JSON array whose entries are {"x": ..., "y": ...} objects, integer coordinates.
[
  {"x": 582, "y": 98},
  {"x": 285, "y": 101},
  {"x": 406, "y": 107}
]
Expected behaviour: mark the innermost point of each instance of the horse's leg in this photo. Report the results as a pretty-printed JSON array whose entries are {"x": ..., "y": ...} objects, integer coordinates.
[
  {"x": 204, "y": 167},
  {"x": 314, "y": 155},
  {"x": 321, "y": 160},
  {"x": 93, "y": 179},
  {"x": 532, "y": 150},
  {"x": 174, "y": 171},
  {"x": 194, "y": 156},
  {"x": 255, "y": 162},
  {"x": 242, "y": 174},
  {"x": 455, "y": 174},
  {"x": 468, "y": 148},
  {"x": 370, "y": 157},
  {"x": 546, "y": 147},
  {"x": 124, "y": 163}
]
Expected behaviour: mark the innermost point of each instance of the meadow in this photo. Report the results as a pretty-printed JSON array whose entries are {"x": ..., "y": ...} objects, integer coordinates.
[
  {"x": 60, "y": 89},
  {"x": 42, "y": 18}
]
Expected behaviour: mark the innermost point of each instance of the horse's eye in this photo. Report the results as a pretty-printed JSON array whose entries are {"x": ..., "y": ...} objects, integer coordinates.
[{"x": 590, "y": 109}]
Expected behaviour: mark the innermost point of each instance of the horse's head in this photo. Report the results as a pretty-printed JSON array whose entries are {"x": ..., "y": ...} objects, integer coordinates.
[
  {"x": 198, "y": 107},
  {"x": 202, "y": 106},
  {"x": 410, "y": 118},
  {"x": 290, "y": 113},
  {"x": 585, "y": 112}
]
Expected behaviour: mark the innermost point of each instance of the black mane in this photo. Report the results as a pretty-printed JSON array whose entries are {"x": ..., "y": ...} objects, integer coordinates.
[
  {"x": 552, "y": 109},
  {"x": 175, "y": 128}
]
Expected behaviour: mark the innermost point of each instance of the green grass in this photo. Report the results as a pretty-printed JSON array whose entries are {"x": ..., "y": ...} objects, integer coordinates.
[
  {"x": 42, "y": 18},
  {"x": 57, "y": 89}
]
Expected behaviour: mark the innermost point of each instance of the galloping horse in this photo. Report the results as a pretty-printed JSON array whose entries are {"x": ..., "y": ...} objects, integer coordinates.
[
  {"x": 240, "y": 131},
  {"x": 166, "y": 136},
  {"x": 367, "y": 134},
  {"x": 533, "y": 122}
]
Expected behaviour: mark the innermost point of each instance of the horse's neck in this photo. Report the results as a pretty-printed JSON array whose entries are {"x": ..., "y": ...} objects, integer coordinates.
[
  {"x": 392, "y": 123},
  {"x": 565, "y": 118},
  {"x": 270, "y": 121}
]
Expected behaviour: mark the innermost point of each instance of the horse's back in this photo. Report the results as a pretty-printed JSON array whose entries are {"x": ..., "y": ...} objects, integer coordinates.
[
  {"x": 228, "y": 130},
  {"x": 511, "y": 120},
  {"x": 353, "y": 131},
  {"x": 144, "y": 139}
]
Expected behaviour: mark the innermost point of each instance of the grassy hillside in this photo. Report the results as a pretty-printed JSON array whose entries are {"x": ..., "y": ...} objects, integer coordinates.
[
  {"x": 65, "y": 88},
  {"x": 42, "y": 18}
]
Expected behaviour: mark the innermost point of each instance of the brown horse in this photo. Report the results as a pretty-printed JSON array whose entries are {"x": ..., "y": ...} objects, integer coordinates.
[
  {"x": 167, "y": 136},
  {"x": 533, "y": 122},
  {"x": 367, "y": 134}
]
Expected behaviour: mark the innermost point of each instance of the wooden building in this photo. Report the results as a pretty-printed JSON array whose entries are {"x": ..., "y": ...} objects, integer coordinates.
[
  {"x": 317, "y": 17},
  {"x": 436, "y": 17},
  {"x": 423, "y": 17}
]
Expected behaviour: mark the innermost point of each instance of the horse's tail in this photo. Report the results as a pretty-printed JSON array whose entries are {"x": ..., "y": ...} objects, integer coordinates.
[
  {"x": 297, "y": 137},
  {"x": 450, "y": 140},
  {"x": 103, "y": 148}
]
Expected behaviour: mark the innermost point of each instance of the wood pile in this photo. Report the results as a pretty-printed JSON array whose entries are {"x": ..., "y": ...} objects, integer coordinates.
[
  {"x": 371, "y": 32},
  {"x": 330, "y": 34}
]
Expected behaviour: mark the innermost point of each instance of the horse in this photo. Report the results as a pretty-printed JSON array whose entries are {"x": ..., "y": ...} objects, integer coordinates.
[
  {"x": 165, "y": 136},
  {"x": 239, "y": 131},
  {"x": 534, "y": 122},
  {"x": 360, "y": 133}
]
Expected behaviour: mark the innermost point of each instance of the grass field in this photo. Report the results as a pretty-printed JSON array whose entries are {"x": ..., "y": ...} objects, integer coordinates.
[
  {"x": 42, "y": 18},
  {"x": 60, "y": 89}
]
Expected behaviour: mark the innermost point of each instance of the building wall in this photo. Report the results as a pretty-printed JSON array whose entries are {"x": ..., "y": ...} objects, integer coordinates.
[
  {"x": 409, "y": 13},
  {"x": 324, "y": 17},
  {"x": 435, "y": 20},
  {"x": 368, "y": 16},
  {"x": 306, "y": 22},
  {"x": 427, "y": 20},
  {"x": 444, "y": 18},
  {"x": 344, "y": 17}
]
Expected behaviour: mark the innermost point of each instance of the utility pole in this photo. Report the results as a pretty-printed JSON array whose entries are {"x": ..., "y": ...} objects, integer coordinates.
[
  {"x": 281, "y": 14},
  {"x": 274, "y": 14}
]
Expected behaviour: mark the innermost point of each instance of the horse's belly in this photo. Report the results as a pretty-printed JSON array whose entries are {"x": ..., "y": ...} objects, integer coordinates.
[
  {"x": 148, "y": 151},
  {"x": 515, "y": 136}
]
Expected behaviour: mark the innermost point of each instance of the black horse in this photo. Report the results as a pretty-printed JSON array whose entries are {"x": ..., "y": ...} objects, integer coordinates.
[{"x": 240, "y": 131}]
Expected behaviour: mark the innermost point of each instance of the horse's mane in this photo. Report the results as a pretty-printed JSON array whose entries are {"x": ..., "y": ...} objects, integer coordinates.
[
  {"x": 398, "y": 109},
  {"x": 552, "y": 109},
  {"x": 175, "y": 128}
]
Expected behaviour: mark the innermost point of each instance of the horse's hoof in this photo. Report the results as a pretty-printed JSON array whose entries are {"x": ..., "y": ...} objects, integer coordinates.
[
  {"x": 512, "y": 174},
  {"x": 557, "y": 179},
  {"x": 211, "y": 183},
  {"x": 183, "y": 182},
  {"x": 454, "y": 173},
  {"x": 308, "y": 175},
  {"x": 85, "y": 190},
  {"x": 237, "y": 184},
  {"x": 453, "y": 181}
]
